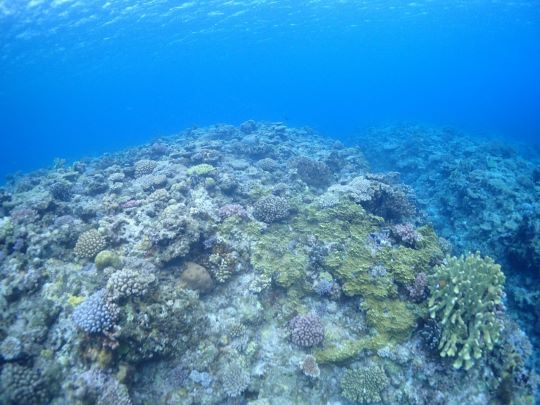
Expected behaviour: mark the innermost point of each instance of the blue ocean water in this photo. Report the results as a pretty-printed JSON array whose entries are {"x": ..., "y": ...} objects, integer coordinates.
[
  {"x": 82, "y": 77},
  {"x": 266, "y": 262}
]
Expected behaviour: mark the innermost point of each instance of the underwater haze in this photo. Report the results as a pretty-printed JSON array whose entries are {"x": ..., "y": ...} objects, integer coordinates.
[
  {"x": 85, "y": 77},
  {"x": 269, "y": 202}
]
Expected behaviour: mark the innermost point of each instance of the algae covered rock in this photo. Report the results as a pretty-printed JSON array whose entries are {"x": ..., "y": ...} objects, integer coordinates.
[{"x": 466, "y": 297}]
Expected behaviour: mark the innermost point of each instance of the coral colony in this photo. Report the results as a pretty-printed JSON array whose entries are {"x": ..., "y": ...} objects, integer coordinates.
[{"x": 257, "y": 264}]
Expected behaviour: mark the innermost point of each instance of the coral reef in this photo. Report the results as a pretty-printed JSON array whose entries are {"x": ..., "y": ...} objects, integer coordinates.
[{"x": 254, "y": 264}]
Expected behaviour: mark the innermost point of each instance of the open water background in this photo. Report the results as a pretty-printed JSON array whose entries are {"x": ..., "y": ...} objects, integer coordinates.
[{"x": 82, "y": 77}]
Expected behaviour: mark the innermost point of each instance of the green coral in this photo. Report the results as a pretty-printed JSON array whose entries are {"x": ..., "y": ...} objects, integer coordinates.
[
  {"x": 392, "y": 318},
  {"x": 279, "y": 252},
  {"x": 272, "y": 255},
  {"x": 200, "y": 170},
  {"x": 405, "y": 263},
  {"x": 466, "y": 292},
  {"x": 107, "y": 258},
  {"x": 348, "y": 349},
  {"x": 364, "y": 385}
]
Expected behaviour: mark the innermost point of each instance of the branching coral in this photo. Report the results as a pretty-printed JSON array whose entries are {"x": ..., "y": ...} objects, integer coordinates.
[{"x": 466, "y": 295}]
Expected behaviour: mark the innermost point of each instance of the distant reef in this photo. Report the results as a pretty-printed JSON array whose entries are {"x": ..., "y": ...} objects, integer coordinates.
[{"x": 261, "y": 264}]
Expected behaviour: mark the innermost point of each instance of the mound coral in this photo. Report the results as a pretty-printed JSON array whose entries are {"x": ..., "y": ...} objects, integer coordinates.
[
  {"x": 312, "y": 172},
  {"x": 196, "y": 277},
  {"x": 89, "y": 244},
  {"x": 306, "y": 330},
  {"x": 129, "y": 283},
  {"x": 22, "y": 385},
  {"x": 466, "y": 297},
  {"x": 96, "y": 314},
  {"x": 144, "y": 166},
  {"x": 107, "y": 258},
  {"x": 271, "y": 209}
]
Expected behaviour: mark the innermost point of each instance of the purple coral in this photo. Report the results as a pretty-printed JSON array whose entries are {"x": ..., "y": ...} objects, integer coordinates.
[
  {"x": 230, "y": 210},
  {"x": 310, "y": 367},
  {"x": 96, "y": 314},
  {"x": 418, "y": 289},
  {"x": 306, "y": 330},
  {"x": 406, "y": 234}
]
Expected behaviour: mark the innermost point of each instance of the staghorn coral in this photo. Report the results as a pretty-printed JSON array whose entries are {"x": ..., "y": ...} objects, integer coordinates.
[
  {"x": 89, "y": 244},
  {"x": 364, "y": 385},
  {"x": 466, "y": 296}
]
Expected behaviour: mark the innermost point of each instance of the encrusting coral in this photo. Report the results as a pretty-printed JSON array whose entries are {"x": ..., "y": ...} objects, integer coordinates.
[{"x": 364, "y": 385}]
